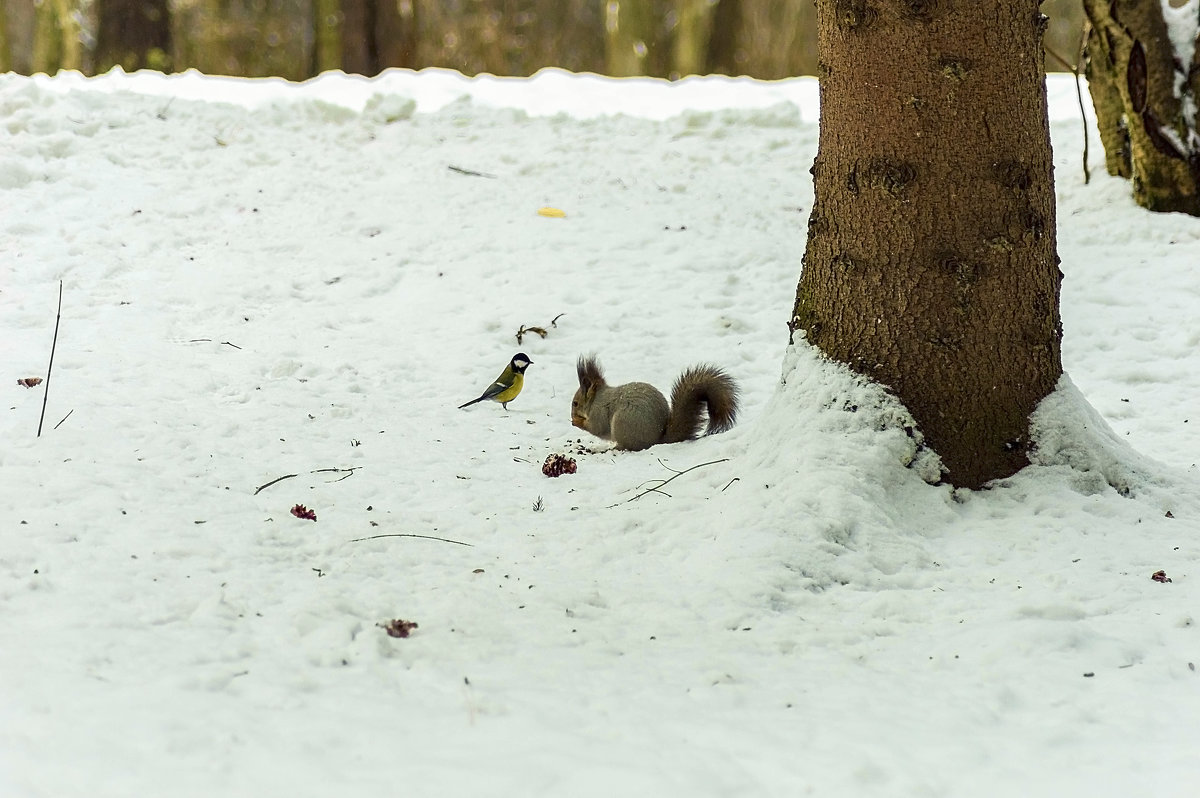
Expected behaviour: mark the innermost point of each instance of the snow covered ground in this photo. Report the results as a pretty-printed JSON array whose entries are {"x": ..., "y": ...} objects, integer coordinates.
[{"x": 263, "y": 280}]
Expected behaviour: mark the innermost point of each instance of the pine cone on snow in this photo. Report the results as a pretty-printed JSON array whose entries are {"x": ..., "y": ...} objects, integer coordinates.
[
  {"x": 558, "y": 464},
  {"x": 300, "y": 511}
]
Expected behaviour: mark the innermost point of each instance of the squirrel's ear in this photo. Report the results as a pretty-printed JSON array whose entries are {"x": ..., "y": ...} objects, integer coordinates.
[{"x": 588, "y": 370}]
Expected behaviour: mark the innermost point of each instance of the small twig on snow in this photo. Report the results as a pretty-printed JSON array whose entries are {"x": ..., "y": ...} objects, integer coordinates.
[
  {"x": 261, "y": 488},
  {"x": 662, "y": 483},
  {"x": 64, "y": 418},
  {"x": 53, "y": 346},
  {"x": 469, "y": 172},
  {"x": 664, "y": 465},
  {"x": 410, "y": 535},
  {"x": 350, "y": 472},
  {"x": 209, "y": 340}
]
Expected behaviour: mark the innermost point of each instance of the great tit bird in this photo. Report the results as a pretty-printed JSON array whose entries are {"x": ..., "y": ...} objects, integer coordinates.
[{"x": 508, "y": 384}]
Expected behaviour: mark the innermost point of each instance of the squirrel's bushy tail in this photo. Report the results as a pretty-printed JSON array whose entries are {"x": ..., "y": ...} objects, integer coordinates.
[{"x": 701, "y": 388}]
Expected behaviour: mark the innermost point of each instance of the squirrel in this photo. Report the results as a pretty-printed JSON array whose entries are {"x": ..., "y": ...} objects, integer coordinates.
[{"x": 636, "y": 415}]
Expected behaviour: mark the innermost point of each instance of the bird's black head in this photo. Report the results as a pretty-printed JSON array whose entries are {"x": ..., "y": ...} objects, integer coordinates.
[{"x": 520, "y": 362}]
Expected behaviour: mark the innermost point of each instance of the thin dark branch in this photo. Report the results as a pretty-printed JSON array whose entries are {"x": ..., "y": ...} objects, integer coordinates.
[
  {"x": 261, "y": 488},
  {"x": 1050, "y": 52},
  {"x": 676, "y": 471},
  {"x": 53, "y": 346},
  {"x": 1087, "y": 173},
  {"x": 663, "y": 482},
  {"x": 350, "y": 472},
  {"x": 410, "y": 535},
  {"x": 209, "y": 341},
  {"x": 469, "y": 172},
  {"x": 64, "y": 418}
]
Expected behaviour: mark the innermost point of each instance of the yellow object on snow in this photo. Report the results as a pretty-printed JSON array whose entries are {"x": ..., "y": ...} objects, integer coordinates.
[{"x": 553, "y": 213}]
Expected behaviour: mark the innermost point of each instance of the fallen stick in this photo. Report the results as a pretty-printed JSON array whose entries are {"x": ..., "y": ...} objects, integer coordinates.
[
  {"x": 410, "y": 535},
  {"x": 349, "y": 473},
  {"x": 469, "y": 172},
  {"x": 261, "y": 488},
  {"x": 663, "y": 482},
  {"x": 53, "y": 346},
  {"x": 209, "y": 340}
]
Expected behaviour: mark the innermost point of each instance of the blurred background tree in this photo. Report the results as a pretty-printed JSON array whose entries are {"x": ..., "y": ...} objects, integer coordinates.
[
  {"x": 297, "y": 39},
  {"x": 5, "y": 50},
  {"x": 132, "y": 34},
  {"x": 57, "y": 42}
]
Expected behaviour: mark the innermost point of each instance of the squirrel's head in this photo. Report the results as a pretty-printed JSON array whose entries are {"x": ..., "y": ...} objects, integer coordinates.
[
  {"x": 591, "y": 380},
  {"x": 579, "y": 410}
]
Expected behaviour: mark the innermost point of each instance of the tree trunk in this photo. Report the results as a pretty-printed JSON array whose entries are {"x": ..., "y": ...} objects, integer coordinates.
[
  {"x": 723, "y": 41},
  {"x": 377, "y": 34},
  {"x": 133, "y": 34},
  {"x": 359, "y": 54},
  {"x": 56, "y": 43},
  {"x": 1145, "y": 94},
  {"x": 6, "y": 63},
  {"x": 327, "y": 38},
  {"x": 396, "y": 33},
  {"x": 628, "y": 33},
  {"x": 778, "y": 38},
  {"x": 693, "y": 28},
  {"x": 931, "y": 262},
  {"x": 1110, "y": 111}
]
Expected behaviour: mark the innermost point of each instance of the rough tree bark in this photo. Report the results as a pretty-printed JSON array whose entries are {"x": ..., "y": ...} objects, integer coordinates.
[
  {"x": 135, "y": 34},
  {"x": 1146, "y": 96},
  {"x": 931, "y": 261}
]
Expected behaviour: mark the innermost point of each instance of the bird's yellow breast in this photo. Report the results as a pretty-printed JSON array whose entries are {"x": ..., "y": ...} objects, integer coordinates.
[{"x": 510, "y": 393}]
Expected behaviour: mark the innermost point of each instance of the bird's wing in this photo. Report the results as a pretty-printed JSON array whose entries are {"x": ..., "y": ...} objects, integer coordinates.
[{"x": 495, "y": 389}]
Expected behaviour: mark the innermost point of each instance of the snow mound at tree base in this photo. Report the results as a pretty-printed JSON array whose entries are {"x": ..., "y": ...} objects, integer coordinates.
[
  {"x": 857, "y": 502},
  {"x": 1071, "y": 438},
  {"x": 854, "y": 498}
]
